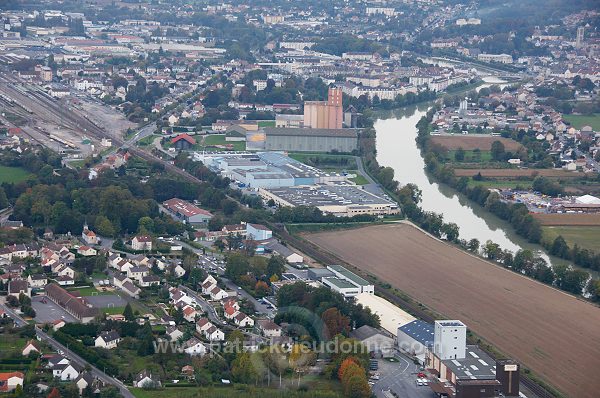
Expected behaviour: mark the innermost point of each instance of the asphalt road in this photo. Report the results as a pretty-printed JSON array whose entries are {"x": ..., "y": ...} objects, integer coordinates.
[
  {"x": 400, "y": 377},
  {"x": 206, "y": 307},
  {"x": 71, "y": 355}
]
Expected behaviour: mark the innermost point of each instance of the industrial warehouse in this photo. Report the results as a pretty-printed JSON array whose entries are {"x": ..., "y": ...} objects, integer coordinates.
[
  {"x": 339, "y": 200},
  {"x": 311, "y": 140},
  {"x": 266, "y": 169}
]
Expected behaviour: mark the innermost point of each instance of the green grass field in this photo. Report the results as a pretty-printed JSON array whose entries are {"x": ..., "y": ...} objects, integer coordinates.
[
  {"x": 147, "y": 140},
  {"x": 219, "y": 139},
  {"x": 11, "y": 342},
  {"x": 585, "y": 237},
  {"x": 359, "y": 179},
  {"x": 578, "y": 121},
  {"x": 114, "y": 310},
  {"x": 13, "y": 174}
]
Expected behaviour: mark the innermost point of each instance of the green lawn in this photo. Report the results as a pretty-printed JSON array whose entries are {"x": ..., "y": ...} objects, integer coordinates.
[
  {"x": 10, "y": 342},
  {"x": 147, "y": 140},
  {"x": 113, "y": 310},
  {"x": 359, "y": 179},
  {"x": 78, "y": 164},
  {"x": 219, "y": 139},
  {"x": 578, "y": 121},
  {"x": 585, "y": 237},
  {"x": 13, "y": 174}
]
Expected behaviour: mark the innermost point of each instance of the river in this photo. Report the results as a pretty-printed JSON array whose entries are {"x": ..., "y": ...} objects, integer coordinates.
[{"x": 397, "y": 148}]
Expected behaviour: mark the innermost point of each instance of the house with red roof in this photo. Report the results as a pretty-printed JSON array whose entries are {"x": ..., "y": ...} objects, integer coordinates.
[
  {"x": 183, "y": 142},
  {"x": 10, "y": 380}
]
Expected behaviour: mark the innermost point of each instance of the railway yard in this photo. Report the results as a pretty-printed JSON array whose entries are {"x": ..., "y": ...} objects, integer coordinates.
[{"x": 60, "y": 124}]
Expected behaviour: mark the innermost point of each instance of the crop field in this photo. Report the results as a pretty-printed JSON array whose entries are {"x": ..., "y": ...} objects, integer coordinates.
[
  {"x": 573, "y": 219},
  {"x": 585, "y": 237},
  {"x": 466, "y": 142},
  {"x": 512, "y": 173},
  {"x": 552, "y": 333}
]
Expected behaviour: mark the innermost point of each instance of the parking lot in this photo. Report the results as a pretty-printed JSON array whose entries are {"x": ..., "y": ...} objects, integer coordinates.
[
  {"x": 106, "y": 301},
  {"x": 48, "y": 312},
  {"x": 400, "y": 377}
]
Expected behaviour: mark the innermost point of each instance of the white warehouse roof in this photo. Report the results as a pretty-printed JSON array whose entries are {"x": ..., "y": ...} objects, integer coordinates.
[
  {"x": 391, "y": 316},
  {"x": 588, "y": 200}
]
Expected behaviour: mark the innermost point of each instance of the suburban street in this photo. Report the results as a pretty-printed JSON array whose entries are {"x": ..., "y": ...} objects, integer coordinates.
[
  {"x": 70, "y": 354},
  {"x": 206, "y": 307}
]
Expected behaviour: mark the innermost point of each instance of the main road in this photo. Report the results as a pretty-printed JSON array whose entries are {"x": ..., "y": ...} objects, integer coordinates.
[{"x": 95, "y": 372}]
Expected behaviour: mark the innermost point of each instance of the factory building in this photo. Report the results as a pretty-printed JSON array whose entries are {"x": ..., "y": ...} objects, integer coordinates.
[
  {"x": 342, "y": 273},
  {"x": 339, "y": 200},
  {"x": 311, "y": 140},
  {"x": 415, "y": 338},
  {"x": 267, "y": 170},
  {"x": 325, "y": 114},
  {"x": 187, "y": 212},
  {"x": 466, "y": 371}
]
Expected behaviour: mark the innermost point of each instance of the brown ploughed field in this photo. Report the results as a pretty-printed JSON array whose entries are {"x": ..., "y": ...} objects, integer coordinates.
[
  {"x": 566, "y": 219},
  {"x": 508, "y": 173},
  {"x": 553, "y": 333},
  {"x": 468, "y": 143}
]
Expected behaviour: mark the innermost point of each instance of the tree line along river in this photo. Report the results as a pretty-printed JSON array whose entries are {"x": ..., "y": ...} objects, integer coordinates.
[{"x": 397, "y": 148}]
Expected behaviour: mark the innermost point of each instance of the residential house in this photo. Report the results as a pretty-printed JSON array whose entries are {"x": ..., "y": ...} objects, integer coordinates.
[
  {"x": 189, "y": 313},
  {"x": 86, "y": 380},
  {"x": 218, "y": 294},
  {"x": 10, "y": 380},
  {"x": 194, "y": 347},
  {"x": 202, "y": 325},
  {"x": 30, "y": 347},
  {"x": 269, "y": 328},
  {"x": 242, "y": 320},
  {"x": 57, "y": 324},
  {"x": 37, "y": 281},
  {"x": 65, "y": 270},
  {"x": 86, "y": 251},
  {"x": 108, "y": 340},
  {"x": 138, "y": 273},
  {"x": 16, "y": 287},
  {"x": 141, "y": 242},
  {"x": 214, "y": 334},
  {"x": 150, "y": 280},
  {"x": 146, "y": 379},
  {"x": 174, "y": 333},
  {"x": 176, "y": 270},
  {"x": 66, "y": 372}
]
